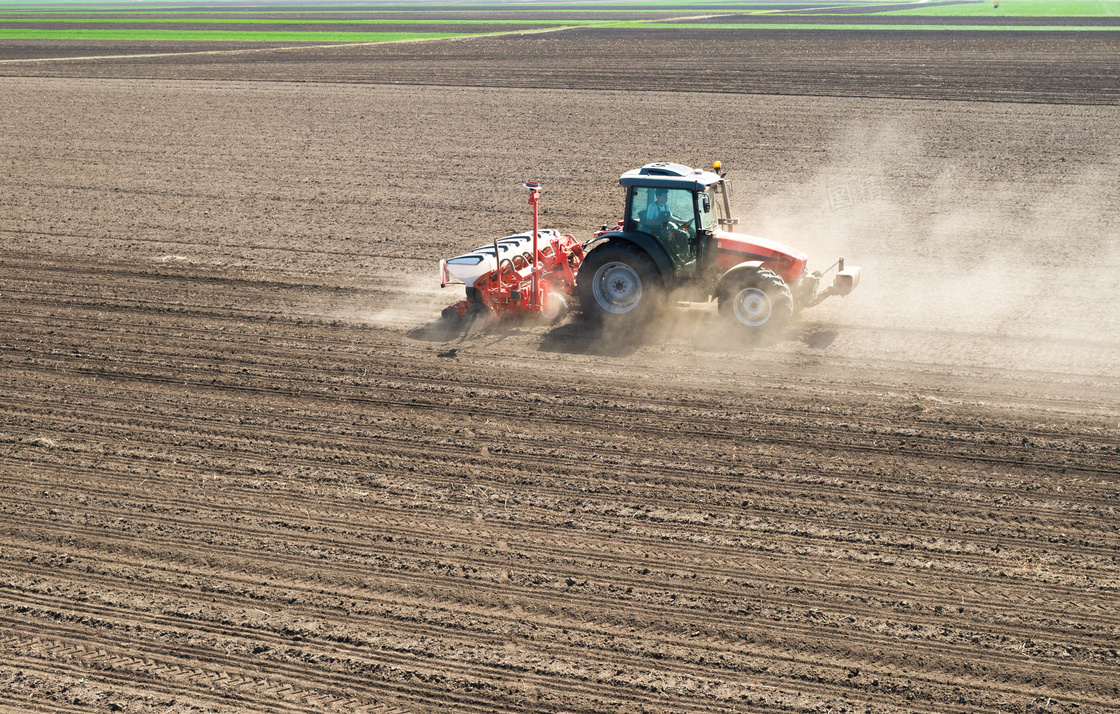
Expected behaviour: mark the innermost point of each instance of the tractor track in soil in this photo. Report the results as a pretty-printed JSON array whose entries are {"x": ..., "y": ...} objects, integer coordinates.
[
  {"x": 243, "y": 472},
  {"x": 778, "y": 426},
  {"x": 717, "y": 568},
  {"x": 401, "y": 446},
  {"x": 840, "y": 536},
  {"x": 848, "y": 534},
  {"x": 760, "y": 437},
  {"x": 773, "y": 655}
]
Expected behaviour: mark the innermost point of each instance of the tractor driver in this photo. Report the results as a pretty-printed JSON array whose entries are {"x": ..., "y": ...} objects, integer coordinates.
[
  {"x": 659, "y": 211},
  {"x": 661, "y": 217}
]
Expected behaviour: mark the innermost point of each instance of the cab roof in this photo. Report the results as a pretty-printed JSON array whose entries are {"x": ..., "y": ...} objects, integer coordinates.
[{"x": 663, "y": 174}]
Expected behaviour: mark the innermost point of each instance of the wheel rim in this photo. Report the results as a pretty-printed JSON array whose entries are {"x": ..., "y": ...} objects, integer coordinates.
[
  {"x": 752, "y": 307},
  {"x": 617, "y": 287}
]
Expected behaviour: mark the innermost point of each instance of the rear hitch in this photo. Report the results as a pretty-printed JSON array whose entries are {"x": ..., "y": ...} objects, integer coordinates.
[{"x": 843, "y": 284}]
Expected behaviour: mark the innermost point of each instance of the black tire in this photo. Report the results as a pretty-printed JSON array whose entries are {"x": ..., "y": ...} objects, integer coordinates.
[
  {"x": 756, "y": 302},
  {"x": 479, "y": 317},
  {"x": 618, "y": 283}
]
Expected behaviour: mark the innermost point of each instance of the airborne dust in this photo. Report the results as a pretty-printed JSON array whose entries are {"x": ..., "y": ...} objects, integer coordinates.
[{"x": 984, "y": 259}]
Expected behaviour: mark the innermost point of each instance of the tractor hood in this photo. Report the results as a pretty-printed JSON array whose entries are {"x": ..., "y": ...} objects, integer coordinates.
[{"x": 735, "y": 248}]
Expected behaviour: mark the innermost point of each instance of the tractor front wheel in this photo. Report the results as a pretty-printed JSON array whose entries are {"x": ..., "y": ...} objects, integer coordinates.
[
  {"x": 618, "y": 283},
  {"x": 756, "y": 301}
]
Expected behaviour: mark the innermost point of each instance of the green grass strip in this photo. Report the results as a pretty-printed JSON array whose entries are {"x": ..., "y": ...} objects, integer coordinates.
[
  {"x": 223, "y": 35},
  {"x": 660, "y": 6},
  {"x": 415, "y": 11},
  {"x": 1018, "y": 8},
  {"x": 979, "y": 8},
  {"x": 854, "y": 26},
  {"x": 268, "y": 21}
]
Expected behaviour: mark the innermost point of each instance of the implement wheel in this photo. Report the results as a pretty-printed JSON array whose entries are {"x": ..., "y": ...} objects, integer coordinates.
[
  {"x": 555, "y": 307},
  {"x": 479, "y": 318}
]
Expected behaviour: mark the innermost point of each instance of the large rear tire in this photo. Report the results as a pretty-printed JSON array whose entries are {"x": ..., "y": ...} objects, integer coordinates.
[
  {"x": 618, "y": 284},
  {"x": 757, "y": 302}
]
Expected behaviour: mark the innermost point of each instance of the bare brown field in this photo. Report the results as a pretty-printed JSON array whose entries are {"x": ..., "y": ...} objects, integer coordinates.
[
  {"x": 244, "y": 472},
  {"x": 1046, "y": 67}
]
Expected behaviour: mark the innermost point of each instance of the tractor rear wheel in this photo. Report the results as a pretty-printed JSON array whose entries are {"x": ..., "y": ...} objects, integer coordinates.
[
  {"x": 618, "y": 283},
  {"x": 757, "y": 301}
]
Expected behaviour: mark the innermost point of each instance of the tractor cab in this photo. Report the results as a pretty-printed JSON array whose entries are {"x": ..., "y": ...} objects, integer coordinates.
[{"x": 675, "y": 206}]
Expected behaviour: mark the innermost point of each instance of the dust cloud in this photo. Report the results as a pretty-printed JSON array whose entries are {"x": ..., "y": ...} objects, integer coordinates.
[
  {"x": 971, "y": 261},
  {"x": 397, "y": 299}
]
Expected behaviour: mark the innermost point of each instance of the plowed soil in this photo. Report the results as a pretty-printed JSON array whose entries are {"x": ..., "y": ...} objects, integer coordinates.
[
  {"x": 1014, "y": 66},
  {"x": 245, "y": 470}
]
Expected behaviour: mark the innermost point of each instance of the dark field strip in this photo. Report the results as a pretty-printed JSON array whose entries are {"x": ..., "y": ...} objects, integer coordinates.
[{"x": 1003, "y": 67}]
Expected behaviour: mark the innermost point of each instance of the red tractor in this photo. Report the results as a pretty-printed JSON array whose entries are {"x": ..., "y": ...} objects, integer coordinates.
[{"x": 676, "y": 236}]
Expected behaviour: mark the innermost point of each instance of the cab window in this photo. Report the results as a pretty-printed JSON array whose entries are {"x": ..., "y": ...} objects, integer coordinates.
[{"x": 652, "y": 208}]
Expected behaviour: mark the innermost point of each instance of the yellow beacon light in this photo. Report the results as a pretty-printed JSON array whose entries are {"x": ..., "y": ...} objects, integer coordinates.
[{"x": 717, "y": 165}]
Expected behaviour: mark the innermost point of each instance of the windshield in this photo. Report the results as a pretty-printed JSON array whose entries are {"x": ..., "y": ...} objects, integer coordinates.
[{"x": 658, "y": 210}]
